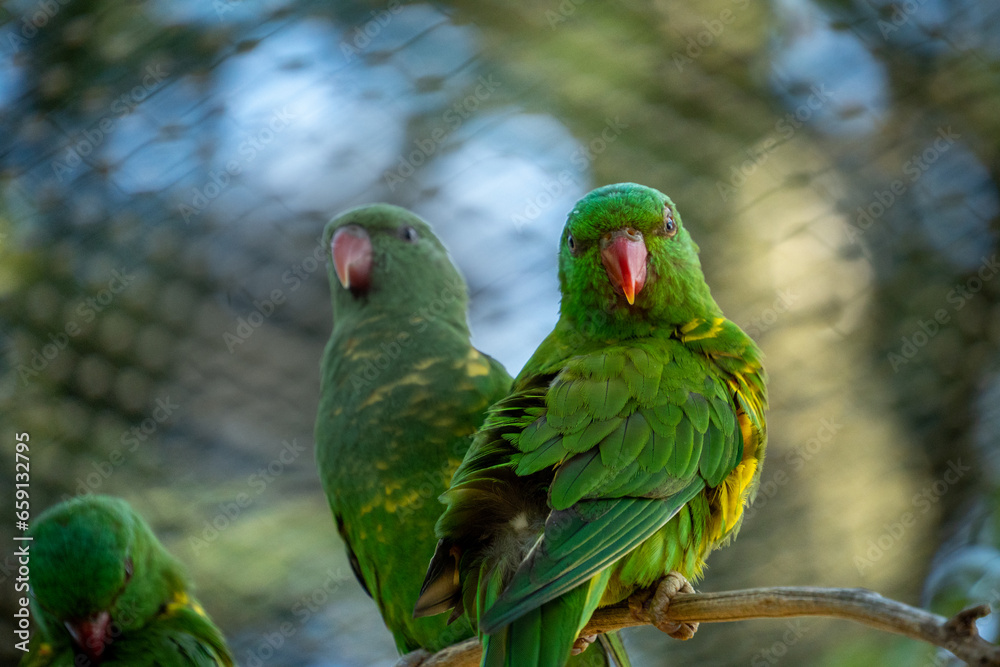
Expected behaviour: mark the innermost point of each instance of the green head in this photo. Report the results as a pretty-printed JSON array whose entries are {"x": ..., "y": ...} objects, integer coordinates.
[
  {"x": 627, "y": 265},
  {"x": 97, "y": 570},
  {"x": 388, "y": 257}
]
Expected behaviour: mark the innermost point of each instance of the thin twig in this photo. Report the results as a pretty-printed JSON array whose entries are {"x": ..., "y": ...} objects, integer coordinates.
[{"x": 957, "y": 634}]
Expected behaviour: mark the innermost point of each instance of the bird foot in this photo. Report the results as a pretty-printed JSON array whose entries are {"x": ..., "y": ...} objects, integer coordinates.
[
  {"x": 413, "y": 658},
  {"x": 652, "y": 605},
  {"x": 581, "y": 643}
]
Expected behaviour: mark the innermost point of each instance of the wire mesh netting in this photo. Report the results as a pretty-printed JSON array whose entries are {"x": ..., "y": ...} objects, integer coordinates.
[{"x": 167, "y": 168}]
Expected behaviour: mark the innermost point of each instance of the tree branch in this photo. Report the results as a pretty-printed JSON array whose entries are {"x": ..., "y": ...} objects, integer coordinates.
[{"x": 957, "y": 634}]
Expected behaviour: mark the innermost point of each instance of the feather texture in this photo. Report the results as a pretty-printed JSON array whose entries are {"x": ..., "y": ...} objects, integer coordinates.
[
  {"x": 98, "y": 568},
  {"x": 632, "y": 439}
]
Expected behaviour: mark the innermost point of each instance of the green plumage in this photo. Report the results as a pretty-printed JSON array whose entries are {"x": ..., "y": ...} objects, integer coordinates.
[
  {"x": 93, "y": 557},
  {"x": 403, "y": 390},
  {"x": 627, "y": 448}
]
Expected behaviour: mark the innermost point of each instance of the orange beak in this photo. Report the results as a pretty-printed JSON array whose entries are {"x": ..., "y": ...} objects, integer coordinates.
[
  {"x": 91, "y": 633},
  {"x": 624, "y": 255},
  {"x": 352, "y": 257}
]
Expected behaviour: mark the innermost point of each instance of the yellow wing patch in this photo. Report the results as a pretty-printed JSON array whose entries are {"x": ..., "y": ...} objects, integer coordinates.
[
  {"x": 444, "y": 421},
  {"x": 730, "y": 498},
  {"x": 383, "y": 500},
  {"x": 395, "y": 499},
  {"x": 370, "y": 320},
  {"x": 182, "y": 601},
  {"x": 476, "y": 364},
  {"x": 751, "y": 424},
  {"x": 426, "y": 363},
  {"x": 415, "y": 378},
  {"x": 407, "y": 499},
  {"x": 699, "y": 329}
]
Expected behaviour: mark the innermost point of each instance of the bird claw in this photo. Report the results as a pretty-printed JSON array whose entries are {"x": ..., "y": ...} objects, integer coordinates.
[
  {"x": 652, "y": 605},
  {"x": 413, "y": 658},
  {"x": 581, "y": 643}
]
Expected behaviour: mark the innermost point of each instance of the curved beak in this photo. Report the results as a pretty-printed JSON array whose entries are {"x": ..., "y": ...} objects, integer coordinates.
[
  {"x": 91, "y": 633},
  {"x": 352, "y": 257},
  {"x": 624, "y": 255}
]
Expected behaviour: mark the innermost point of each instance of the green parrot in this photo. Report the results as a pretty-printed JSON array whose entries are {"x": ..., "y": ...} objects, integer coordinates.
[
  {"x": 403, "y": 391},
  {"x": 624, "y": 454},
  {"x": 106, "y": 592}
]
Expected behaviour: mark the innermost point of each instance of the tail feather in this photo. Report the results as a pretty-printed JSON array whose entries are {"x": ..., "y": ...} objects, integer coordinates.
[
  {"x": 544, "y": 636},
  {"x": 613, "y": 648},
  {"x": 496, "y": 648},
  {"x": 441, "y": 590},
  {"x": 520, "y": 643},
  {"x": 609, "y": 651}
]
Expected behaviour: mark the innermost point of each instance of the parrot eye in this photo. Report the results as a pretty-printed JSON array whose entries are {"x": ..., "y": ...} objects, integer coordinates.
[
  {"x": 128, "y": 569},
  {"x": 571, "y": 242},
  {"x": 669, "y": 224},
  {"x": 408, "y": 234}
]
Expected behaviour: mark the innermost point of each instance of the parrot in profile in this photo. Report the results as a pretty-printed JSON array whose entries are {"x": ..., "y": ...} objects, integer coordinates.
[
  {"x": 104, "y": 591},
  {"x": 402, "y": 392},
  {"x": 624, "y": 454}
]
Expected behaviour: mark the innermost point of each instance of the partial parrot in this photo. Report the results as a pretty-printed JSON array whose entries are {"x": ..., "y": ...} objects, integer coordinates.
[
  {"x": 106, "y": 592},
  {"x": 626, "y": 451},
  {"x": 402, "y": 392}
]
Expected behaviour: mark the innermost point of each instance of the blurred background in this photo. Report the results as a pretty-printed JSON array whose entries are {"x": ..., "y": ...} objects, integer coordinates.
[{"x": 166, "y": 169}]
